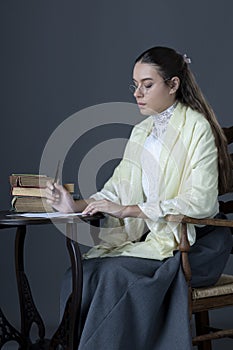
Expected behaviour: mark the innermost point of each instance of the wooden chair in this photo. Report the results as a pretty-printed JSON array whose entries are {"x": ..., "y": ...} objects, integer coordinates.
[{"x": 201, "y": 300}]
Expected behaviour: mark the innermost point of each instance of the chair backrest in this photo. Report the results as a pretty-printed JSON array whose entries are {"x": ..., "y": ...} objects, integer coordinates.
[{"x": 226, "y": 207}]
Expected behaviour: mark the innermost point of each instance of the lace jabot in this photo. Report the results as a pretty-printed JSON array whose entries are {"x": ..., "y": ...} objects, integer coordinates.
[{"x": 161, "y": 120}]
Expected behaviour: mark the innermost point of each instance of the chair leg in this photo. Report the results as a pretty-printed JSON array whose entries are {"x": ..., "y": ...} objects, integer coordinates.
[{"x": 202, "y": 324}]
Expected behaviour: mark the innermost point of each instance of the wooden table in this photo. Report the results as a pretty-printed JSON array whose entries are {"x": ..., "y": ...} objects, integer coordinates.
[{"x": 67, "y": 334}]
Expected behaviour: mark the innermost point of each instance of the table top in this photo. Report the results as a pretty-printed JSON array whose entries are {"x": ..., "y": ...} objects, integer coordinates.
[{"x": 10, "y": 218}]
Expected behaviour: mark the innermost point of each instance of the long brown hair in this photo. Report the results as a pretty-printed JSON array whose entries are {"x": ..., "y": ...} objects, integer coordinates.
[{"x": 170, "y": 63}]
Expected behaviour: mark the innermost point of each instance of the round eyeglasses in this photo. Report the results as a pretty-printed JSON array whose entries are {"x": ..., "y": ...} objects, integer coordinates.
[{"x": 143, "y": 89}]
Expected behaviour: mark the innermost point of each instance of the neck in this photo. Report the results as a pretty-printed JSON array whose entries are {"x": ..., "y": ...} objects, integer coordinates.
[{"x": 173, "y": 104}]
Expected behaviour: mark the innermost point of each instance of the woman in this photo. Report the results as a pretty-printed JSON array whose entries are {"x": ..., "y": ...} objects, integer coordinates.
[{"x": 135, "y": 296}]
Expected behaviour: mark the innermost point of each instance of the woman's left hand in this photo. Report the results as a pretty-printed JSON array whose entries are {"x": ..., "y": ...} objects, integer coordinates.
[{"x": 105, "y": 206}]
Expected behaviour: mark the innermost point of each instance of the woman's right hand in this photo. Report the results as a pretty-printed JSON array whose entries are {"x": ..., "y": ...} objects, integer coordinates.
[{"x": 59, "y": 198}]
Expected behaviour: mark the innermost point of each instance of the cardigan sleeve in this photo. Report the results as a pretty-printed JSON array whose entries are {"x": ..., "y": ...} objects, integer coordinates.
[{"x": 109, "y": 191}]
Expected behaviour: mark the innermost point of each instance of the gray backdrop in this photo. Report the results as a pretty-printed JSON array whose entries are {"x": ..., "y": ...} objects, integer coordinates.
[{"x": 58, "y": 57}]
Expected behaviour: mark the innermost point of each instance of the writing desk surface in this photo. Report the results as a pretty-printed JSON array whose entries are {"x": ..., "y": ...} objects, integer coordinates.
[{"x": 11, "y": 219}]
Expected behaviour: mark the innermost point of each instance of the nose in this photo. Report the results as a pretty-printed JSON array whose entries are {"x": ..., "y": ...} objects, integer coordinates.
[{"x": 138, "y": 92}]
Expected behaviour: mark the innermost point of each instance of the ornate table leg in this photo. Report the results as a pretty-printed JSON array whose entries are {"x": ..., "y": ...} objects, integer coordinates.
[
  {"x": 68, "y": 332},
  {"x": 28, "y": 310},
  {"x": 9, "y": 333}
]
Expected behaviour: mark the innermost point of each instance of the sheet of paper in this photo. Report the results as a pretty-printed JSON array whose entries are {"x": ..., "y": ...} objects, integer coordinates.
[{"x": 46, "y": 215}]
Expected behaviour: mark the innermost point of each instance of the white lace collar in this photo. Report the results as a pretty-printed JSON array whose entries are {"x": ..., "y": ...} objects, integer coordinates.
[{"x": 161, "y": 120}]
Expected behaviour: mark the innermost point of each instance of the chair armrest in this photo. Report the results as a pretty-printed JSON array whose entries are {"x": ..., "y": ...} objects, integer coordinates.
[
  {"x": 184, "y": 245},
  {"x": 206, "y": 221}
]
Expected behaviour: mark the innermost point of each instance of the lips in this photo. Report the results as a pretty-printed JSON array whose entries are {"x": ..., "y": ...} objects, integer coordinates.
[{"x": 140, "y": 104}]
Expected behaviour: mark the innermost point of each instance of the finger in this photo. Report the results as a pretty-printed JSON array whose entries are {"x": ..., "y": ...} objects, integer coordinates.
[
  {"x": 59, "y": 187},
  {"x": 50, "y": 194},
  {"x": 90, "y": 212},
  {"x": 94, "y": 211},
  {"x": 54, "y": 200},
  {"x": 50, "y": 202},
  {"x": 53, "y": 203},
  {"x": 86, "y": 211},
  {"x": 89, "y": 209},
  {"x": 49, "y": 185},
  {"x": 51, "y": 188}
]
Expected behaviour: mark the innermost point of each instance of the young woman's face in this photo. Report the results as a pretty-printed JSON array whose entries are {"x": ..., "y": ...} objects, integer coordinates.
[{"x": 152, "y": 94}]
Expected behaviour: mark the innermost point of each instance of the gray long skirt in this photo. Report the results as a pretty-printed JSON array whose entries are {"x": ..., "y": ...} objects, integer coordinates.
[{"x": 142, "y": 304}]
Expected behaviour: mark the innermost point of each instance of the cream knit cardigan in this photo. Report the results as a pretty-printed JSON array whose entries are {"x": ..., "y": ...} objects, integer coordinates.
[{"x": 188, "y": 185}]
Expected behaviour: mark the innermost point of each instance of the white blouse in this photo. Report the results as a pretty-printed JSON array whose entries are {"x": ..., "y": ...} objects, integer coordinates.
[{"x": 151, "y": 153}]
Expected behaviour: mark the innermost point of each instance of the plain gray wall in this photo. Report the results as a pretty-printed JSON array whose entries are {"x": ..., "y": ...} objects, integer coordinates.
[{"x": 58, "y": 57}]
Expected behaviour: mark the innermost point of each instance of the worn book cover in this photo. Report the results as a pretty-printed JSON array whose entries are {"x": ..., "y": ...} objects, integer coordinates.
[
  {"x": 29, "y": 180},
  {"x": 30, "y": 204}
]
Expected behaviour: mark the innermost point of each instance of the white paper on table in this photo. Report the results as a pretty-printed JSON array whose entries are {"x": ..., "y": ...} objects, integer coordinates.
[{"x": 57, "y": 214}]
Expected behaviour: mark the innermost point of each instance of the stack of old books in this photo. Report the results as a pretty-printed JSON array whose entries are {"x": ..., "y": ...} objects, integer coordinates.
[{"x": 28, "y": 193}]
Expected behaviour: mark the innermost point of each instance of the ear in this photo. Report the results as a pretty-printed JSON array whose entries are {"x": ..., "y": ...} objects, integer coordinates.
[{"x": 174, "y": 85}]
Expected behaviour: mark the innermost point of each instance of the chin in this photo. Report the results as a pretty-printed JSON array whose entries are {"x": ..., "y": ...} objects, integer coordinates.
[
  {"x": 144, "y": 112},
  {"x": 147, "y": 111}
]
